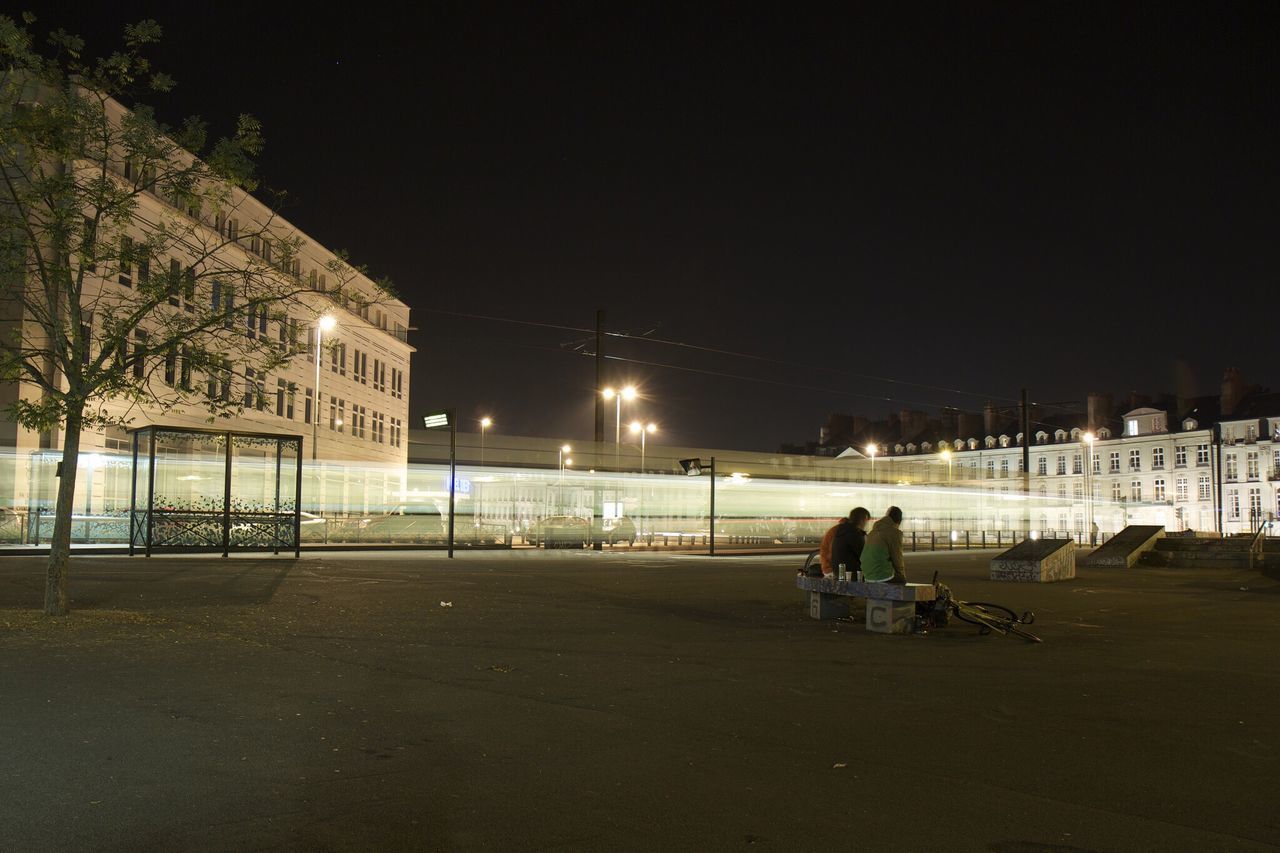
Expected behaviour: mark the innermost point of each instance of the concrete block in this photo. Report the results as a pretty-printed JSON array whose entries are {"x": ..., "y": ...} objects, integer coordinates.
[
  {"x": 1036, "y": 561},
  {"x": 823, "y": 605},
  {"x": 890, "y": 617}
]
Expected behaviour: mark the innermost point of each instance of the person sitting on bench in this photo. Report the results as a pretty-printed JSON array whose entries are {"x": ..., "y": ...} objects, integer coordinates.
[
  {"x": 825, "y": 566},
  {"x": 882, "y": 555},
  {"x": 846, "y": 546}
]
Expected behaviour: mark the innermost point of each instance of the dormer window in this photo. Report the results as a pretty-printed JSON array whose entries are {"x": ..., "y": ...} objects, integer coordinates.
[
  {"x": 1004, "y": 441},
  {"x": 1131, "y": 427},
  {"x": 1190, "y": 424}
]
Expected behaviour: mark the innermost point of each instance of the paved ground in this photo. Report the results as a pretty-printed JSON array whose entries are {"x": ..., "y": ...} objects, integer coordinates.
[{"x": 605, "y": 702}]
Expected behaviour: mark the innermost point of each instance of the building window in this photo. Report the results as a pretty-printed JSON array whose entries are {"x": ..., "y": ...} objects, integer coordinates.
[
  {"x": 1131, "y": 427},
  {"x": 342, "y": 413},
  {"x": 1180, "y": 489},
  {"x": 1097, "y": 463},
  {"x": 1233, "y": 468},
  {"x": 1255, "y": 507},
  {"x": 1180, "y": 457},
  {"x": 1114, "y": 462},
  {"x": 1042, "y": 466},
  {"x": 1004, "y": 467},
  {"x": 1251, "y": 432},
  {"x": 1062, "y": 465},
  {"x": 1234, "y": 503},
  {"x": 1077, "y": 490},
  {"x": 1077, "y": 464},
  {"x": 1115, "y": 490},
  {"x": 139, "y": 360},
  {"x": 184, "y": 373},
  {"x": 1135, "y": 460},
  {"x": 290, "y": 398},
  {"x": 281, "y": 388},
  {"x": 125, "y": 265},
  {"x": 1202, "y": 455},
  {"x": 991, "y": 469},
  {"x": 1157, "y": 458},
  {"x": 1159, "y": 489},
  {"x": 1135, "y": 490},
  {"x": 1251, "y": 465},
  {"x": 1203, "y": 489},
  {"x": 306, "y": 406}
]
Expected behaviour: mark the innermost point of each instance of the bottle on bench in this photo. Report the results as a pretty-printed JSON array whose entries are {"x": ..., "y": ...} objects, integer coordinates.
[{"x": 842, "y": 573}]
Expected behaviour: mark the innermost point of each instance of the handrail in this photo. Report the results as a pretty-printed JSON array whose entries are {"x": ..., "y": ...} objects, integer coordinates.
[{"x": 1255, "y": 545}]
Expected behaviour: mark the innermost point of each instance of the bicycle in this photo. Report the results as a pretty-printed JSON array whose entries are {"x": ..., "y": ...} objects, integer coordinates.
[{"x": 988, "y": 616}]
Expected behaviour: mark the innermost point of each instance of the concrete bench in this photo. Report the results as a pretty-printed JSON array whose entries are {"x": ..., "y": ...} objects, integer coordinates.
[{"x": 891, "y": 607}]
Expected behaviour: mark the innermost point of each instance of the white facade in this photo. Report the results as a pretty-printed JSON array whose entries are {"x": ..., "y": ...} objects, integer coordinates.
[
  {"x": 1154, "y": 475},
  {"x": 357, "y": 412}
]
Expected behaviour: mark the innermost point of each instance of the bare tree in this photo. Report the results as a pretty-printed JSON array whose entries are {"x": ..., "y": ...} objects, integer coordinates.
[{"x": 134, "y": 266}]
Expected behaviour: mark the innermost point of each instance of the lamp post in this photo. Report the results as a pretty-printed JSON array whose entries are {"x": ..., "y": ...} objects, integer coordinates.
[
  {"x": 871, "y": 451},
  {"x": 485, "y": 423},
  {"x": 627, "y": 393},
  {"x": 637, "y": 427},
  {"x": 327, "y": 323},
  {"x": 1089, "y": 438},
  {"x": 946, "y": 454}
]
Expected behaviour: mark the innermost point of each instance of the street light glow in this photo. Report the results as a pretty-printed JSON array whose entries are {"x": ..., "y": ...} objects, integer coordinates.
[
  {"x": 608, "y": 393},
  {"x": 568, "y": 462},
  {"x": 566, "y": 448},
  {"x": 486, "y": 422},
  {"x": 871, "y": 450},
  {"x": 327, "y": 323},
  {"x": 629, "y": 393}
]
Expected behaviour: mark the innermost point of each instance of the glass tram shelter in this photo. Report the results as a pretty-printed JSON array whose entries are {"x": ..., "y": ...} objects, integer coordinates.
[{"x": 215, "y": 490}]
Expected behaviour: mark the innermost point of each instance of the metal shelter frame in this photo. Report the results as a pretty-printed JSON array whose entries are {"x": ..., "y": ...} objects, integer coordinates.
[{"x": 192, "y": 529}]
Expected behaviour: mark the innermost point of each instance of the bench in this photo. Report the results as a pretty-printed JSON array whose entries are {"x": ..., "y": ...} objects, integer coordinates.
[{"x": 891, "y": 607}]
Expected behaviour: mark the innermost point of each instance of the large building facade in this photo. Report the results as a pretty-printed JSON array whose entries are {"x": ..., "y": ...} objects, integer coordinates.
[
  {"x": 347, "y": 398},
  {"x": 1222, "y": 476}
]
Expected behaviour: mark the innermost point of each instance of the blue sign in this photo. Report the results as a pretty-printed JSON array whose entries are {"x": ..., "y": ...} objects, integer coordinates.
[{"x": 462, "y": 486}]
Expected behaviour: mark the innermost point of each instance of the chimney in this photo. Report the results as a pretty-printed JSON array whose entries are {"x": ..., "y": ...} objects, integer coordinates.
[
  {"x": 989, "y": 418},
  {"x": 1098, "y": 409},
  {"x": 1232, "y": 390}
]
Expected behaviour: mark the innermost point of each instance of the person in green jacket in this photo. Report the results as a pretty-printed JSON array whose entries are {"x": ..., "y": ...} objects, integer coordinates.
[{"x": 882, "y": 555}]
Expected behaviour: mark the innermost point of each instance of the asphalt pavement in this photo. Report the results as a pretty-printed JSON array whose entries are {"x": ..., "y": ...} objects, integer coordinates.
[{"x": 601, "y": 702}]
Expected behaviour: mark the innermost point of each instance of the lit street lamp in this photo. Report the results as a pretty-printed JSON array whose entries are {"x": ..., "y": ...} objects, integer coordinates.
[
  {"x": 485, "y": 423},
  {"x": 946, "y": 454},
  {"x": 627, "y": 393},
  {"x": 327, "y": 323},
  {"x": 563, "y": 461},
  {"x": 637, "y": 427},
  {"x": 871, "y": 451},
  {"x": 1089, "y": 438}
]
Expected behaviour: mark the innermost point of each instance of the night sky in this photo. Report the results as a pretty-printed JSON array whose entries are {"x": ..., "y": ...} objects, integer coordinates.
[{"x": 965, "y": 198}]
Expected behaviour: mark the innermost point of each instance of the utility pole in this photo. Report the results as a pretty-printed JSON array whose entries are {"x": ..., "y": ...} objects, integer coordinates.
[{"x": 1026, "y": 462}]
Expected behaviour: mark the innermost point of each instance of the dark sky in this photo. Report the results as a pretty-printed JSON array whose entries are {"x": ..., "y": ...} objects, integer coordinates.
[{"x": 976, "y": 196}]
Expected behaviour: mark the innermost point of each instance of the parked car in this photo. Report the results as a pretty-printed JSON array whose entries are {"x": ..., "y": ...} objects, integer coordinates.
[
  {"x": 623, "y": 530},
  {"x": 560, "y": 531}
]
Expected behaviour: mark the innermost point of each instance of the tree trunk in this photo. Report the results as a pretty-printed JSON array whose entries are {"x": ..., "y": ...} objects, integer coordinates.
[{"x": 55, "y": 584}]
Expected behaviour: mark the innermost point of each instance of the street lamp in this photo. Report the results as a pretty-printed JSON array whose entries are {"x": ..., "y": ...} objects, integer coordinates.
[
  {"x": 1089, "y": 438},
  {"x": 871, "y": 451},
  {"x": 628, "y": 393},
  {"x": 637, "y": 427},
  {"x": 946, "y": 454},
  {"x": 563, "y": 450},
  {"x": 485, "y": 423},
  {"x": 327, "y": 323}
]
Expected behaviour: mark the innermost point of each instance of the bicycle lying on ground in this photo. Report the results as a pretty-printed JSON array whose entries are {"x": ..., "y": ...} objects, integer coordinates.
[{"x": 989, "y": 617}]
